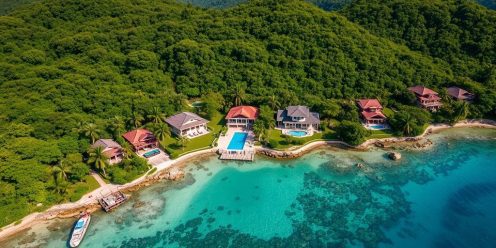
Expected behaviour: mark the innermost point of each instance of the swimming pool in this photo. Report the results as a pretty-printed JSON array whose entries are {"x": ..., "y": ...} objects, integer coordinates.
[
  {"x": 151, "y": 153},
  {"x": 376, "y": 127},
  {"x": 298, "y": 133},
  {"x": 238, "y": 141}
]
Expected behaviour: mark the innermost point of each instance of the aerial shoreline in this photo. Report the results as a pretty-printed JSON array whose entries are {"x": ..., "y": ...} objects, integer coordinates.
[{"x": 89, "y": 201}]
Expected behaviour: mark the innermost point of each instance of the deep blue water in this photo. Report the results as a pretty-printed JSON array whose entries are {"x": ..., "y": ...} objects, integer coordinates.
[{"x": 441, "y": 197}]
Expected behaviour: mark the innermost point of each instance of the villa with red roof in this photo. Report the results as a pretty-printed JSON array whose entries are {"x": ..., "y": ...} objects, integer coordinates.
[
  {"x": 460, "y": 94},
  {"x": 371, "y": 111},
  {"x": 427, "y": 98},
  {"x": 141, "y": 139},
  {"x": 111, "y": 149},
  {"x": 242, "y": 116}
]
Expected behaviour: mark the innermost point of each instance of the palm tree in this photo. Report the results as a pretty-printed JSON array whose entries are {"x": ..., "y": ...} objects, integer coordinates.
[
  {"x": 259, "y": 129},
  {"x": 91, "y": 131},
  {"x": 161, "y": 131},
  {"x": 274, "y": 103},
  {"x": 408, "y": 123},
  {"x": 182, "y": 141},
  {"x": 79, "y": 128},
  {"x": 61, "y": 187},
  {"x": 461, "y": 111},
  {"x": 135, "y": 119},
  {"x": 127, "y": 151},
  {"x": 117, "y": 125},
  {"x": 238, "y": 95},
  {"x": 156, "y": 116},
  {"x": 60, "y": 171},
  {"x": 98, "y": 159}
]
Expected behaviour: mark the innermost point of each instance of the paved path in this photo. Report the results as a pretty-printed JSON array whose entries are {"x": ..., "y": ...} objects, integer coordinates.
[
  {"x": 105, "y": 188},
  {"x": 98, "y": 178}
]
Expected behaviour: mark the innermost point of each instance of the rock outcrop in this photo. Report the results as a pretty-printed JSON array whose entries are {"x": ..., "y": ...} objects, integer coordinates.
[{"x": 394, "y": 155}]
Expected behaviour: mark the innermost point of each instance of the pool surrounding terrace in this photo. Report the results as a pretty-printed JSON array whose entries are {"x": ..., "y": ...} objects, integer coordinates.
[
  {"x": 154, "y": 156},
  {"x": 376, "y": 126},
  {"x": 238, "y": 141},
  {"x": 151, "y": 153},
  {"x": 237, "y": 144},
  {"x": 298, "y": 133}
]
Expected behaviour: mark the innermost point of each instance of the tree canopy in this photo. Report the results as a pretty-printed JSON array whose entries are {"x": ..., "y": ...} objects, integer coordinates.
[{"x": 73, "y": 71}]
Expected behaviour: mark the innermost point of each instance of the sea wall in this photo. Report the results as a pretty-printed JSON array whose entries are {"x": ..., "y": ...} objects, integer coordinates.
[{"x": 296, "y": 153}]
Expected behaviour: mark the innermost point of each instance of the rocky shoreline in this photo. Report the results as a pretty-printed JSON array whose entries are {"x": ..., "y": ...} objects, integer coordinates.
[{"x": 174, "y": 170}]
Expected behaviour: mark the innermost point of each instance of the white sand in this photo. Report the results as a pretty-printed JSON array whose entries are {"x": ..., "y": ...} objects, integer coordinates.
[{"x": 91, "y": 198}]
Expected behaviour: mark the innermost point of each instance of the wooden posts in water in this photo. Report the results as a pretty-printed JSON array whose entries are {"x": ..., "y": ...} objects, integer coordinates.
[{"x": 112, "y": 200}]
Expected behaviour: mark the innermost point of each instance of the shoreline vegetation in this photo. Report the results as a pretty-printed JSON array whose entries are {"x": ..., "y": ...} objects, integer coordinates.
[
  {"x": 172, "y": 171},
  {"x": 75, "y": 72}
]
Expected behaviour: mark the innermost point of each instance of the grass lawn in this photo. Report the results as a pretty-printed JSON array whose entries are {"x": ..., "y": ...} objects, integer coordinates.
[
  {"x": 77, "y": 190},
  {"x": 381, "y": 134},
  {"x": 174, "y": 150},
  {"x": 281, "y": 142}
]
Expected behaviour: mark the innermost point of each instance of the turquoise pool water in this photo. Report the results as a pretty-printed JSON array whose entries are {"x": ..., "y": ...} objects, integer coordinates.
[
  {"x": 376, "y": 127},
  {"x": 151, "y": 153},
  {"x": 442, "y": 197},
  {"x": 297, "y": 133},
  {"x": 238, "y": 141}
]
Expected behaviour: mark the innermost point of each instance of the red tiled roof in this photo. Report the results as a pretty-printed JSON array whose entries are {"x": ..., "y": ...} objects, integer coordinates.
[
  {"x": 421, "y": 90},
  {"x": 372, "y": 115},
  {"x": 138, "y": 136},
  {"x": 247, "y": 112},
  {"x": 369, "y": 103}
]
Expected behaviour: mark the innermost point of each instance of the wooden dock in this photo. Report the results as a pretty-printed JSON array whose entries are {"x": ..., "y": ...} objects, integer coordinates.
[
  {"x": 237, "y": 155},
  {"x": 112, "y": 200}
]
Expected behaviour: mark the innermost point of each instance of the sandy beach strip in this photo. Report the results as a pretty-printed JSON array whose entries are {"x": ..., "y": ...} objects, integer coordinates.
[{"x": 89, "y": 201}]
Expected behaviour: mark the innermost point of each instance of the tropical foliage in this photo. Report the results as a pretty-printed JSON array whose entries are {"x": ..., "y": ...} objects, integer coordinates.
[{"x": 74, "y": 71}]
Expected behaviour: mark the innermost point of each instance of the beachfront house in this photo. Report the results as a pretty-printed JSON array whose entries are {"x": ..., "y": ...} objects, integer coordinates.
[
  {"x": 141, "y": 139},
  {"x": 298, "y": 117},
  {"x": 371, "y": 111},
  {"x": 427, "y": 98},
  {"x": 242, "y": 116},
  {"x": 460, "y": 94},
  {"x": 187, "y": 124},
  {"x": 111, "y": 149}
]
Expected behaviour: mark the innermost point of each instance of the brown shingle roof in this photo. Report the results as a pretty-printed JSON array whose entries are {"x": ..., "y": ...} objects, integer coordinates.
[
  {"x": 185, "y": 120},
  {"x": 459, "y": 93}
]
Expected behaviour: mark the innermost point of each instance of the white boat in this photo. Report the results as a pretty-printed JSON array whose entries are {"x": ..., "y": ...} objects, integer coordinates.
[{"x": 79, "y": 230}]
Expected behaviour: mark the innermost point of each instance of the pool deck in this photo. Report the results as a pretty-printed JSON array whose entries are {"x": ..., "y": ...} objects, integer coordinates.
[
  {"x": 248, "y": 152},
  {"x": 157, "y": 159},
  {"x": 286, "y": 131},
  {"x": 370, "y": 126}
]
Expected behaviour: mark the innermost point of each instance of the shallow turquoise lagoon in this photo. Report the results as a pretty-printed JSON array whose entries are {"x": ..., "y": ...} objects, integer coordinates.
[{"x": 441, "y": 197}]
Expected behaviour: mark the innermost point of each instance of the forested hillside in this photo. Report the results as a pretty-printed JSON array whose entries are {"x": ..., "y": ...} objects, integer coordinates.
[
  {"x": 325, "y": 4},
  {"x": 67, "y": 63},
  {"x": 460, "y": 32},
  {"x": 8, "y": 5}
]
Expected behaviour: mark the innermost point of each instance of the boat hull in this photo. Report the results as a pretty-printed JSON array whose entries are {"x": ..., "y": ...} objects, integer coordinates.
[{"x": 78, "y": 233}]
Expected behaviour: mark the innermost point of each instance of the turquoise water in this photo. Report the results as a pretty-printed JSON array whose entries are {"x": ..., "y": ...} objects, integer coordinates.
[
  {"x": 238, "y": 141},
  {"x": 297, "y": 133},
  {"x": 441, "y": 197},
  {"x": 376, "y": 127},
  {"x": 151, "y": 153}
]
